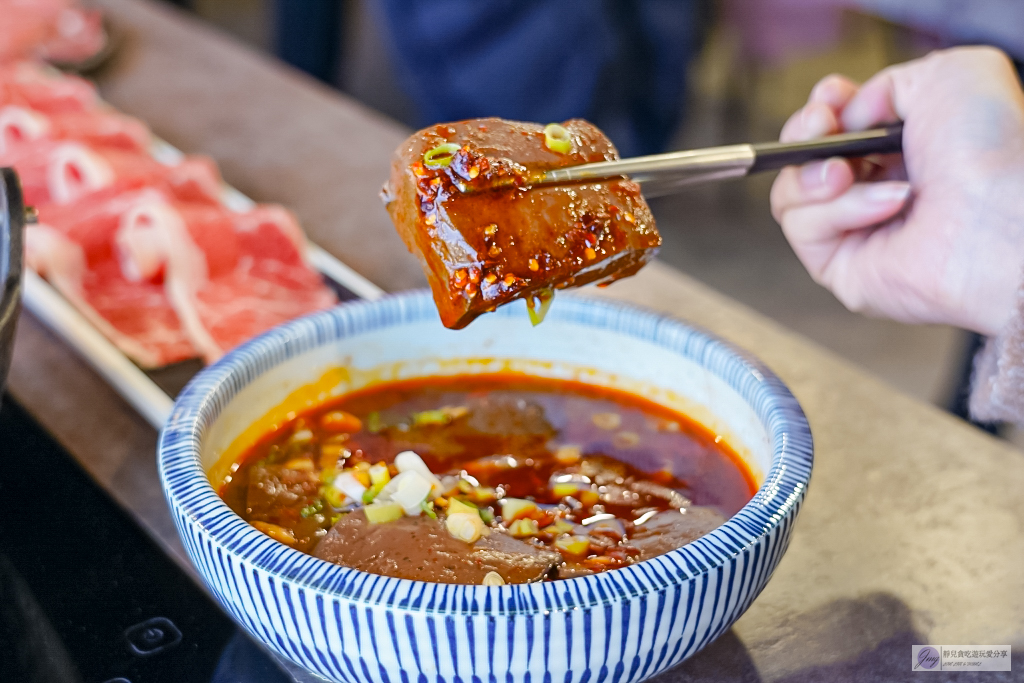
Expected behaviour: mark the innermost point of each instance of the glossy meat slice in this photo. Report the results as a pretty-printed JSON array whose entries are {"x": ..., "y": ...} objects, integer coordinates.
[
  {"x": 484, "y": 249},
  {"x": 420, "y": 548},
  {"x": 230, "y": 276},
  {"x": 99, "y": 127},
  {"x": 73, "y": 248}
]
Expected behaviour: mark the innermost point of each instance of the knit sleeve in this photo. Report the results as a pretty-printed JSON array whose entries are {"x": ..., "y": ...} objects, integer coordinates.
[{"x": 997, "y": 389}]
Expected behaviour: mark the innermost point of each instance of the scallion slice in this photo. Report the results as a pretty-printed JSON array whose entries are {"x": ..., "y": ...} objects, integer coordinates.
[
  {"x": 557, "y": 138},
  {"x": 538, "y": 304},
  {"x": 440, "y": 156}
]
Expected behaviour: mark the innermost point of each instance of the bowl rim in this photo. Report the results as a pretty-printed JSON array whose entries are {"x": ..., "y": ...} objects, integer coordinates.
[{"x": 193, "y": 500}]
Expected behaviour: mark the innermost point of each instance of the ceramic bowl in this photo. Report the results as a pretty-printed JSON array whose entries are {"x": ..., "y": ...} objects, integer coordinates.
[{"x": 622, "y": 625}]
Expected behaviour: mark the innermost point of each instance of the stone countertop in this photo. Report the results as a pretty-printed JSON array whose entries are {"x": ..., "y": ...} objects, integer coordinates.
[{"x": 913, "y": 527}]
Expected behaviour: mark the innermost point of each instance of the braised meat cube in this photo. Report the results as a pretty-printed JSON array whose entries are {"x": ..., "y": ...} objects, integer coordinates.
[{"x": 483, "y": 248}]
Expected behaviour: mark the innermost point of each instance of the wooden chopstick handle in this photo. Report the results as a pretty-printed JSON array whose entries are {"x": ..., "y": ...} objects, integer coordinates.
[{"x": 771, "y": 156}]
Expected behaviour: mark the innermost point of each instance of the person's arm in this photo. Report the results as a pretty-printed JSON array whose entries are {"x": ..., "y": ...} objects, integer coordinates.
[{"x": 934, "y": 236}]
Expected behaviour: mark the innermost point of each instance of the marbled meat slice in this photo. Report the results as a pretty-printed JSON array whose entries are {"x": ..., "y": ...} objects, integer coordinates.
[
  {"x": 38, "y": 87},
  {"x": 420, "y": 548},
  {"x": 97, "y": 127},
  {"x": 230, "y": 276},
  {"x": 62, "y": 171},
  {"x": 481, "y": 250},
  {"x": 78, "y": 258}
]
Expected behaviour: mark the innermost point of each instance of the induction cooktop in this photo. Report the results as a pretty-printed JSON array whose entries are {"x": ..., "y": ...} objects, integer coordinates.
[{"x": 87, "y": 596}]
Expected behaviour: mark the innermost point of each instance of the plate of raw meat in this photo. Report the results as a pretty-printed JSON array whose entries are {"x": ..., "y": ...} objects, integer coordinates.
[{"x": 148, "y": 245}]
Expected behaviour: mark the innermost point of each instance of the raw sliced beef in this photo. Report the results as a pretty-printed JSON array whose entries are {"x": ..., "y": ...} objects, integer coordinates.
[
  {"x": 60, "y": 172},
  {"x": 78, "y": 259},
  {"x": 230, "y": 276},
  {"x": 56, "y": 30},
  {"x": 77, "y": 37},
  {"x": 33, "y": 85},
  {"x": 96, "y": 127}
]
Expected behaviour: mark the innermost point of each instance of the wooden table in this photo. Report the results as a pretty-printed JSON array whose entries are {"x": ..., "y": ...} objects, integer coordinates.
[{"x": 913, "y": 527}]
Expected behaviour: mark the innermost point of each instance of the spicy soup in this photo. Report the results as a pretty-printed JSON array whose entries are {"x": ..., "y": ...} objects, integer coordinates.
[{"x": 493, "y": 479}]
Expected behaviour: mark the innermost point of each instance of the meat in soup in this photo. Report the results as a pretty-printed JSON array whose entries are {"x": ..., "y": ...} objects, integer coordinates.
[{"x": 494, "y": 479}]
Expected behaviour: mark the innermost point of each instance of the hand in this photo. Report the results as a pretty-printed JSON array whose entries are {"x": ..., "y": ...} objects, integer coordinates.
[{"x": 934, "y": 236}]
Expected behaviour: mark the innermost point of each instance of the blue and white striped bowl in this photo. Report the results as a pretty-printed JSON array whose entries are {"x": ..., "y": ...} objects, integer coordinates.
[{"x": 624, "y": 625}]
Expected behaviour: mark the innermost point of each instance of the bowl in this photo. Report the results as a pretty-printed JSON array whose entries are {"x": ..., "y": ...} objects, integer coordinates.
[{"x": 345, "y": 625}]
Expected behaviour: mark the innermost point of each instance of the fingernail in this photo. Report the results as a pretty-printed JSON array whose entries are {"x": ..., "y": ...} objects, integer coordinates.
[
  {"x": 814, "y": 174},
  {"x": 814, "y": 122},
  {"x": 884, "y": 193}
]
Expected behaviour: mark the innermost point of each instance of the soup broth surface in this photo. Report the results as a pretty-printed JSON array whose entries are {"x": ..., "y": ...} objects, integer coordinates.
[{"x": 567, "y": 479}]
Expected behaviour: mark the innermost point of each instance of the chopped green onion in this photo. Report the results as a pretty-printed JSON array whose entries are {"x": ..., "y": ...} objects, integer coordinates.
[
  {"x": 373, "y": 423},
  {"x": 537, "y": 312},
  {"x": 372, "y": 492},
  {"x": 441, "y": 416},
  {"x": 486, "y": 515},
  {"x": 428, "y": 508},
  {"x": 312, "y": 509},
  {"x": 335, "y": 498},
  {"x": 440, "y": 156},
  {"x": 455, "y": 505},
  {"x": 557, "y": 138}
]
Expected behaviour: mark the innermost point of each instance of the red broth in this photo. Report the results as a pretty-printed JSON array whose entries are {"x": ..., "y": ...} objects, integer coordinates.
[{"x": 491, "y": 438}]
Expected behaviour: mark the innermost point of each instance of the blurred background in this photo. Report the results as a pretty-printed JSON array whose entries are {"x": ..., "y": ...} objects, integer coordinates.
[{"x": 655, "y": 75}]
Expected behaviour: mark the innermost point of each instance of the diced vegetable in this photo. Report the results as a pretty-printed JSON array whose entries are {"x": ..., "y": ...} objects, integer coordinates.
[
  {"x": 334, "y": 496},
  {"x": 568, "y": 455},
  {"x": 348, "y": 483},
  {"x": 428, "y": 509},
  {"x": 465, "y": 526},
  {"x": 482, "y": 495},
  {"x": 373, "y": 423},
  {"x": 413, "y": 488},
  {"x": 486, "y": 515},
  {"x": 516, "y": 508},
  {"x": 371, "y": 493},
  {"x": 493, "y": 579},
  {"x": 559, "y": 527},
  {"x": 304, "y": 464},
  {"x": 575, "y": 546},
  {"x": 523, "y": 528},
  {"x": 301, "y": 436},
  {"x": 557, "y": 138},
  {"x": 341, "y": 421},
  {"x": 381, "y": 513},
  {"x": 407, "y": 461},
  {"x": 379, "y": 474},
  {"x": 440, "y": 416},
  {"x": 278, "y": 533},
  {"x": 455, "y": 505}
]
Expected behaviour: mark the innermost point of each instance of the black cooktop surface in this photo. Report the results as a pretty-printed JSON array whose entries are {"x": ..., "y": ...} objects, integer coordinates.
[{"x": 86, "y": 595}]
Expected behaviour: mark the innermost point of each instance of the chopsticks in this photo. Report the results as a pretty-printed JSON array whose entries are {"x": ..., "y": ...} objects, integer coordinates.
[{"x": 661, "y": 174}]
